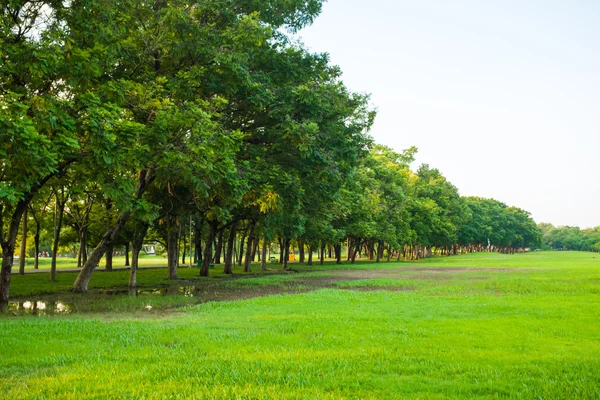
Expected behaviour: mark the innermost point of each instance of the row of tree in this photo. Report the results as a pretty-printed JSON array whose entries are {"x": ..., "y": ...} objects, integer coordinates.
[
  {"x": 570, "y": 238},
  {"x": 203, "y": 125}
]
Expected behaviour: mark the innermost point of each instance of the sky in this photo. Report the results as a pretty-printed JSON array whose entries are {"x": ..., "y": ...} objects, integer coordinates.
[{"x": 503, "y": 97}]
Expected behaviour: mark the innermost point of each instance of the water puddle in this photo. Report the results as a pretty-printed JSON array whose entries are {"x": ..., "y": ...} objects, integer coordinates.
[
  {"x": 37, "y": 307},
  {"x": 48, "y": 307},
  {"x": 101, "y": 300}
]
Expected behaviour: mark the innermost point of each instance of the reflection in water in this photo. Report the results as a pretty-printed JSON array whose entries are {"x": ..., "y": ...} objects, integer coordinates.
[
  {"x": 43, "y": 307},
  {"x": 59, "y": 307}
]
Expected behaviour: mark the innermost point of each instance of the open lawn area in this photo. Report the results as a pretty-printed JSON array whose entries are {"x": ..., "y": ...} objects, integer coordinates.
[
  {"x": 474, "y": 326},
  {"x": 71, "y": 263}
]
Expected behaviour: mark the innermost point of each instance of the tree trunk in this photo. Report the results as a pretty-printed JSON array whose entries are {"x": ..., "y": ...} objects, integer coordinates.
[
  {"x": 172, "y": 246},
  {"x": 84, "y": 255},
  {"x": 79, "y": 255},
  {"x": 301, "y": 251},
  {"x": 280, "y": 241},
  {"x": 322, "y": 254},
  {"x": 145, "y": 179},
  {"x": 355, "y": 252},
  {"x": 36, "y": 242},
  {"x": 197, "y": 239},
  {"x": 109, "y": 259},
  {"x": 338, "y": 253},
  {"x": 208, "y": 248},
  {"x": 137, "y": 243},
  {"x": 7, "y": 260},
  {"x": 248, "y": 260},
  {"x": 242, "y": 241},
  {"x": 184, "y": 240},
  {"x": 23, "y": 252},
  {"x": 263, "y": 261},
  {"x": 230, "y": 249},
  {"x": 380, "y": 245},
  {"x": 348, "y": 251},
  {"x": 310, "y": 255},
  {"x": 255, "y": 242},
  {"x": 286, "y": 252},
  {"x": 59, "y": 211},
  {"x": 219, "y": 248},
  {"x": 127, "y": 254}
]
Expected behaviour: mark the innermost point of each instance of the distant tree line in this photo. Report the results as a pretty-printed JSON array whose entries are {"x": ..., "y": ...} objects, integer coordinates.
[
  {"x": 205, "y": 126},
  {"x": 570, "y": 238}
]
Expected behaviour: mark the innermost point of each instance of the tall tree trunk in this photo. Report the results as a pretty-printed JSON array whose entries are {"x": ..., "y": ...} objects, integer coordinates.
[
  {"x": 301, "y": 251},
  {"x": 79, "y": 255},
  {"x": 242, "y": 241},
  {"x": 23, "y": 253},
  {"x": 127, "y": 254},
  {"x": 212, "y": 229},
  {"x": 248, "y": 260},
  {"x": 145, "y": 179},
  {"x": 310, "y": 255},
  {"x": 198, "y": 223},
  {"x": 230, "y": 249},
  {"x": 348, "y": 249},
  {"x": 36, "y": 242},
  {"x": 59, "y": 211},
  {"x": 184, "y": 240},
  {"x": 281, "y": 252},
  {"x": 286, "y": 252},
  {"x": 172, "y": 246},
  {"x": 322, "y": 254},
  {"x": 255, "y": 242},
  {"x": 8, "y": 246},
  {"x": 338, "y": 253},
  {"x": 380, "y": 245},
  {"x": 109, "y": 252},
  {"x": 355, "y": 252},
  {"x": 36, "y": 238},
  {"x": 137, "y": 243},
  {"x": 263, "y": 260},
  {"x": 109, "y": 259},
  {"x": 219, "y": 248}
]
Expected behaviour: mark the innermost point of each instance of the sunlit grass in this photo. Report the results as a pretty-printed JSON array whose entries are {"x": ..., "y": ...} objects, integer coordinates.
[
  {"x": 44, "y": 263},
  {"x": 470, "y": 327}
]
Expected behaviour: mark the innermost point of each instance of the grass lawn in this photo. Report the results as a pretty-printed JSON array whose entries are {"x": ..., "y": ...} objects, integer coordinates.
[
  {"x": 476, "y": 326},
  {"x": 70, "y": 263}
]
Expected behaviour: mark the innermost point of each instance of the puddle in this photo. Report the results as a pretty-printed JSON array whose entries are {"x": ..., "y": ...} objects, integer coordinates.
[
  {"x": 45, "y": 306},
  {"x": 37, "y": 307},
  {"x": 99, "y": 300}
]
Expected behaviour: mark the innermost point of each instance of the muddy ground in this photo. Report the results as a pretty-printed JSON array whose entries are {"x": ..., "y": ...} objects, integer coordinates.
[{"x": 239, "y": 288}]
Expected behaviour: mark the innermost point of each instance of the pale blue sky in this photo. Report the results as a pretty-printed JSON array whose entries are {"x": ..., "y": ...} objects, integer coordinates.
[{"x": 502, "y": 96}]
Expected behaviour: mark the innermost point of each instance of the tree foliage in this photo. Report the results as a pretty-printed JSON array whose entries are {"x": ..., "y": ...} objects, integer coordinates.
[{"x": 204, "y": 122}]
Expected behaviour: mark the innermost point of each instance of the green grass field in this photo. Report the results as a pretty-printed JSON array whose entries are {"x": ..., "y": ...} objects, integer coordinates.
[
  {"x": 71, "y": 263},
  {"x": 477, "y": 326}
]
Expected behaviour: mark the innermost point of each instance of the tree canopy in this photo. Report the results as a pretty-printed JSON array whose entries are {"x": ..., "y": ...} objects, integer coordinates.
[{"x": 205, "y": 123}]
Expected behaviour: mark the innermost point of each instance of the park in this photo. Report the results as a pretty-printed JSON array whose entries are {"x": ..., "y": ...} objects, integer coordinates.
[{"x": 260, "y": 199}]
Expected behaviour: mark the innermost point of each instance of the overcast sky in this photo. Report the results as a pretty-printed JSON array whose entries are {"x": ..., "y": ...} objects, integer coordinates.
[{"x": 502, "y": 96}]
